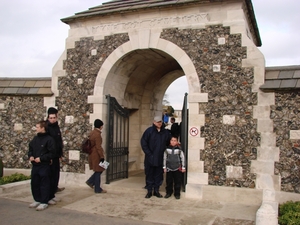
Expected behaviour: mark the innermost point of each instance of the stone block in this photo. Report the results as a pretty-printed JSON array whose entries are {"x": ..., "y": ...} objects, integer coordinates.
[
  {"x": 265, "y": 125},
  {"x": 74, "y": 155},
  {"x": 262, "y": 166},
  {"x": 194, "y": 108},
  {"x": 221, "y": 41},
  {"x": 229, "y": 119},
  {"x": 235, "y": 172},
  {"x": 231, "y": 194},
  {"x": 198, "y": 119},
  {"x": 283, "y": 197},
  {"x": 268, "y": 153},
  {"x": 295, "y": 134},
  {"x": 268, "y": 181},
  {"x": 197, "y": 178},
  {"x": 198, "y": 97},
  {"x": 261, "y": 112},
  {"x": 194, "y": 155},
  {"x": 266, "y": 98},
  {"x": 268, "y": 139},
  {"x": 195, "y": 166},
  {"x": 69, "y": 119},
  {"x": 154, "y": 38},
  {"x": 216, "y": 68},
  {"x": 193, "y": 83},
  {"x": 196, "y": 142},
  {"x": 18, "y": 127},
  {"x": 2, "y": 106}
]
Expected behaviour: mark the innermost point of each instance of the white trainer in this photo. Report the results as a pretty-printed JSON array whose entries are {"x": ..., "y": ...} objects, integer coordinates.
[
  {"x": 34, "y": 205},
  {"x": 41, "y": 207}
]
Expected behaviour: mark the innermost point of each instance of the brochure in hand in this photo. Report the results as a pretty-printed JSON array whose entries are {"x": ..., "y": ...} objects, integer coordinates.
[{"x": 104, "y": 164}]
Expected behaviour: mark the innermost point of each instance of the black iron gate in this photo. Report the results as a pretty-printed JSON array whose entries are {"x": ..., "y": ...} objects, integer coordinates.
[
  {"x": 184, "y": 136},
  {"x": 117, "y": 140}
]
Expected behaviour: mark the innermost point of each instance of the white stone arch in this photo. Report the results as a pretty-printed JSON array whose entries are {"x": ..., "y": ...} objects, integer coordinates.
[{"x": 142, "y": 39}]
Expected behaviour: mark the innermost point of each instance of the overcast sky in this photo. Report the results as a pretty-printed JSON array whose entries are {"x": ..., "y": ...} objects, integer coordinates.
[{"x": 32, "y": 37}]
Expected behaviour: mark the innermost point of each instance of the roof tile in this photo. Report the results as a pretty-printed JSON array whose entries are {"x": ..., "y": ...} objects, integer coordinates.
[
  {"x": 33, "y": 90},
  {"x": 10, "y": 90},
  {"x": 42, "y": 91},
  {"x": 297, "y": 74},
  {"x": 30, "y": 83},
  {"x": 291, "y": 83},
  {"x": 40, "y": 83},
  {"x": 270, "y": 84},
  {"x": 272, "y": 75},
  {"x": 298, "y": 84},
  {"x": 17, "y": 83},
  {"x": 286, "y": 74},
  {"x": 4, "y": 83},
  {"x": 23, "y": 90}
]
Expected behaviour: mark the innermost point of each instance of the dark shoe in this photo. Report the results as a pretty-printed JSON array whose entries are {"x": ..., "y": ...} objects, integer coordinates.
[
  {"x": 60, "y": 189},
  {"x": 157, "y": 194},
  {"x": 177, "y": 196},
  {"x": 167, "y": 195},
  {"x": 148, "y": 195},
  {"x": 90, "y": 185}
]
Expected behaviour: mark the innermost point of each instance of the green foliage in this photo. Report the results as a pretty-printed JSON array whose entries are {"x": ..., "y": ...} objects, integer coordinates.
[
  {"x": 289, "y": 213},
  {"x": 13, "y": 178}
]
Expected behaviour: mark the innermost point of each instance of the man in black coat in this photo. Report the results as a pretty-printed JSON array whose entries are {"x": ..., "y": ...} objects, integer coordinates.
[
  {"x": 55, "y": 133},
  {"x": 154, "y": 142},
  {"x": 40, "y": 154}
]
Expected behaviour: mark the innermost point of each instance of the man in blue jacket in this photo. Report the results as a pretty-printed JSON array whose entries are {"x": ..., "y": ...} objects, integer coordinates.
[{"x": 154, "y": 142}]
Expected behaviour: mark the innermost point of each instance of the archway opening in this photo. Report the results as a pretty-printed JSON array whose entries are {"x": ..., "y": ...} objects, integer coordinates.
[{"x": 139, "y": 81}]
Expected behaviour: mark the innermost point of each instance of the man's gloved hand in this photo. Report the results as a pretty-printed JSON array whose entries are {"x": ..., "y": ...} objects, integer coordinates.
[{"x": 102, "y": 160}]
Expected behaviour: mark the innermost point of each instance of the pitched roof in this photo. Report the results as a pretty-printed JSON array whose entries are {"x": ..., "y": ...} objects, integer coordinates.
[
  {"x": 25, "y": 86},
  {"x": 121, "y": 6},
  {"x": 283, "y": 78}
]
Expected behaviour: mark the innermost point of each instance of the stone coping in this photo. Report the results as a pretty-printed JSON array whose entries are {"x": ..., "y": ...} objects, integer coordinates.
[
  {"x": 26, "y": 86},
  {"x": 284, "y": 78},
  {"x": 120, "y": 6}
]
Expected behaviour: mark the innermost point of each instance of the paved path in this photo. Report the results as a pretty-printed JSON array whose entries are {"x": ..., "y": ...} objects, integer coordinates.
[{"x": 123, "y": 204}]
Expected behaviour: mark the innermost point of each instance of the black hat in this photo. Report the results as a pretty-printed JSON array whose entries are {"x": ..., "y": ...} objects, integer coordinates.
[
  {"x": 98, "y": 123},
  {"x": 52, "y": 110}
]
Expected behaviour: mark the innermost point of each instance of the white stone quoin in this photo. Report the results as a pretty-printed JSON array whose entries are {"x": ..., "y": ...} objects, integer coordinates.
[{"x": 268, "y": 212}]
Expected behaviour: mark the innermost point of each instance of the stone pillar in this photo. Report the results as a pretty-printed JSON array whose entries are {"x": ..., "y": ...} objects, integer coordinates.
[{"x": 268, "y": 212}]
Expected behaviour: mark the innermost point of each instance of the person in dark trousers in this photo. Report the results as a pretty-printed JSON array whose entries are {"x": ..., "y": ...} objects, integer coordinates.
[
  {"x": 153, "y": 142},
  {"x": 96, "y": 156},
  {"x": 175, "y": 128},
  {"x": 174, "y": 166},
  {"x": 40, "y": 154},
  {"x": 54, "y": 131}
]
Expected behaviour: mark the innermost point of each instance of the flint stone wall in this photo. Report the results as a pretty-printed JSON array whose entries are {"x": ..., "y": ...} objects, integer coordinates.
[
  {"x": 17, "y": 122},
  {"x": 286, "y": 117},
  {"x": 229, "y": 93}
]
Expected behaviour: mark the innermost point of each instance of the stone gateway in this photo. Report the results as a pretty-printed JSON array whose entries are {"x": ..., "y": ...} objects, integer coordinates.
[{"x": 247, "y": 116}]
